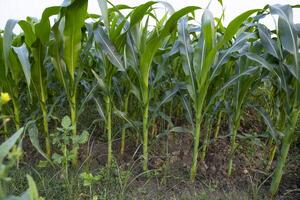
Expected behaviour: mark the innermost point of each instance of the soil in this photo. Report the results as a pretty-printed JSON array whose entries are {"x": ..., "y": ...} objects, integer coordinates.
[{"x": 171, "y": 157}]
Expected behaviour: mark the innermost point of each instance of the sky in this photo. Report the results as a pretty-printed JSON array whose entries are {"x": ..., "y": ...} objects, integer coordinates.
[{"x": 20, "y": 9}]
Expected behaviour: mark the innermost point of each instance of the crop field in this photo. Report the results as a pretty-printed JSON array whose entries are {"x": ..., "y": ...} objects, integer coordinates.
[{"x": 131, "y": 104}]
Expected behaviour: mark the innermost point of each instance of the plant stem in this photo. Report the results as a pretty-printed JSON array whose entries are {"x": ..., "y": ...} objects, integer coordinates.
[
  {"x": 206, "y": 139},
  {"x": 286, "y": 143},
  {"x": 123, "y": 134},
  {"x": 232, "y": 148},
  {"x": 235, "y": 124},
  {"x": 196, "y": 146},
  {"x": 74, "y": 128},
  {"x": 46, "y": 129},
  {"x": 108, "y": 129},
  {"x": 280, "y": 126},
  {"x": 145, "y": 135},
  {"x": 218, "y": 125},
  {"x": 271, "y": 156}
]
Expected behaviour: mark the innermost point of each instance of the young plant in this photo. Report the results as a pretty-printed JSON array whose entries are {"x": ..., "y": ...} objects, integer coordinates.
[
  {"x": 284, "y": 51},
  {"x": 107, "y": 48},
  {"x": 11, "y": 71},
  {"x": 148, "y": 45},
  {"x": 89, "y": 180},
  {"x": 64, "y": 140},
  {"x": 239, "y": 94},
  {"x": 200, "y": 67},
  {"x": 64, "y": 51},
  {"x": 37, "y": 39}
]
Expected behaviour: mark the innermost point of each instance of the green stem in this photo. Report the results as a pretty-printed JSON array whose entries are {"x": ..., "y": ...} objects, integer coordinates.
[
  {"x": 74, "y": 128},
  {"x": 232, "y": 148},
  {"x": 109, "y": 131},
  {"x": 206, "y": 140},
  {"x": 271, "y": 156},
  {"x": 196, "y": 146},
  {"x": 234, "y": 128},
  {"x": 218, "y": 125},
  {"x": 286, "y": 143},
  {"x": 46, "y": 129},
  {"x": 145, "y": 135},
  {"x": 123, "y": 134}
]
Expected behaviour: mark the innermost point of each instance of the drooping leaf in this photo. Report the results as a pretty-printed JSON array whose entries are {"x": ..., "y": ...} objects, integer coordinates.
[
  {"x": 104, "y": 11},
  {"x": 43, "y": 29},
  {"x": 7, "y": 41},
  {"x": 23, "y": 56},
  {"x": 9, "y": 143},
  {"x": 108, "y": 48},
  {"x": 267, "y": 41},
  {"x": 34, "y": 138}
]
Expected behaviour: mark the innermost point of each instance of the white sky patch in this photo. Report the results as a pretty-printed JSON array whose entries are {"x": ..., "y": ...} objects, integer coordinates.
[{"x": 20, "y": 9}]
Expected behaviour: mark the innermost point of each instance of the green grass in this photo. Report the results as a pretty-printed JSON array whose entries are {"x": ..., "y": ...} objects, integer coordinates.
[{"x": 52, "y": 187}]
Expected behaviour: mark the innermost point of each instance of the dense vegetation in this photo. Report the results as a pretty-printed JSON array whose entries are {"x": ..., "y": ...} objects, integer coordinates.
[{"x": 147, "y": 77}]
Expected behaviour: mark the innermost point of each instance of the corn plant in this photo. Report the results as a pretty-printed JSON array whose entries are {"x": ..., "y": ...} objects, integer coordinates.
[
  {"x": 135, "y": 64},
  {"x": 11, "y": 71},
  {"x": 284, "y": 52},
  {"x": 199, "y": 65},
  {"x": 65, "y": 47},
  {"x": 150, "y": 43},
  {"x": 37, "y": 39},
  {"x": 239, "y": 93},
  {"x": 111, "y": 62}
]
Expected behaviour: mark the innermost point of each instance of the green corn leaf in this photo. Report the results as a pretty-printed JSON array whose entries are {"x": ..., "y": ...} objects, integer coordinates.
[
  {"x": 104, "y": 11},
  {"x": 27, "y": 28},
  {"x": 43, "y": 29},
  {"x": 188, "y": 109},
  {"x": 75, "y": 14},
  {"x": 9, "y": 143},
  {"x": 260, "y": 60},
  {"x": 108, "y": 48},
  {"x": 268, "y": 122},
  {"x": 205, "y": 51},
  {"x": 267, "y": 41},
  {"x": 232, "y": 81},
  {"x": 32, "y": 189},
  {"x": 23, "y": 56},
  {"x": 287, "y": 34},
  {"x": 179, "y": 129},
  {"x": 55, "y": 47},
  {"x": 186, "y": 51},
  {"x": 139, "y": 12},
  {"x": 234, "y": 26},
  {"x": 100, "y": 82},
  {"x": 238, "y": 44},
  {"x": 99, "y": 109},
  {"x": 34, "y": 138},
  {"x": 169, "y": 94},
  {"x": 7, "y": 42},
  {"x": 124, "y": 116},
  {"x": 155, "y": 41}
]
